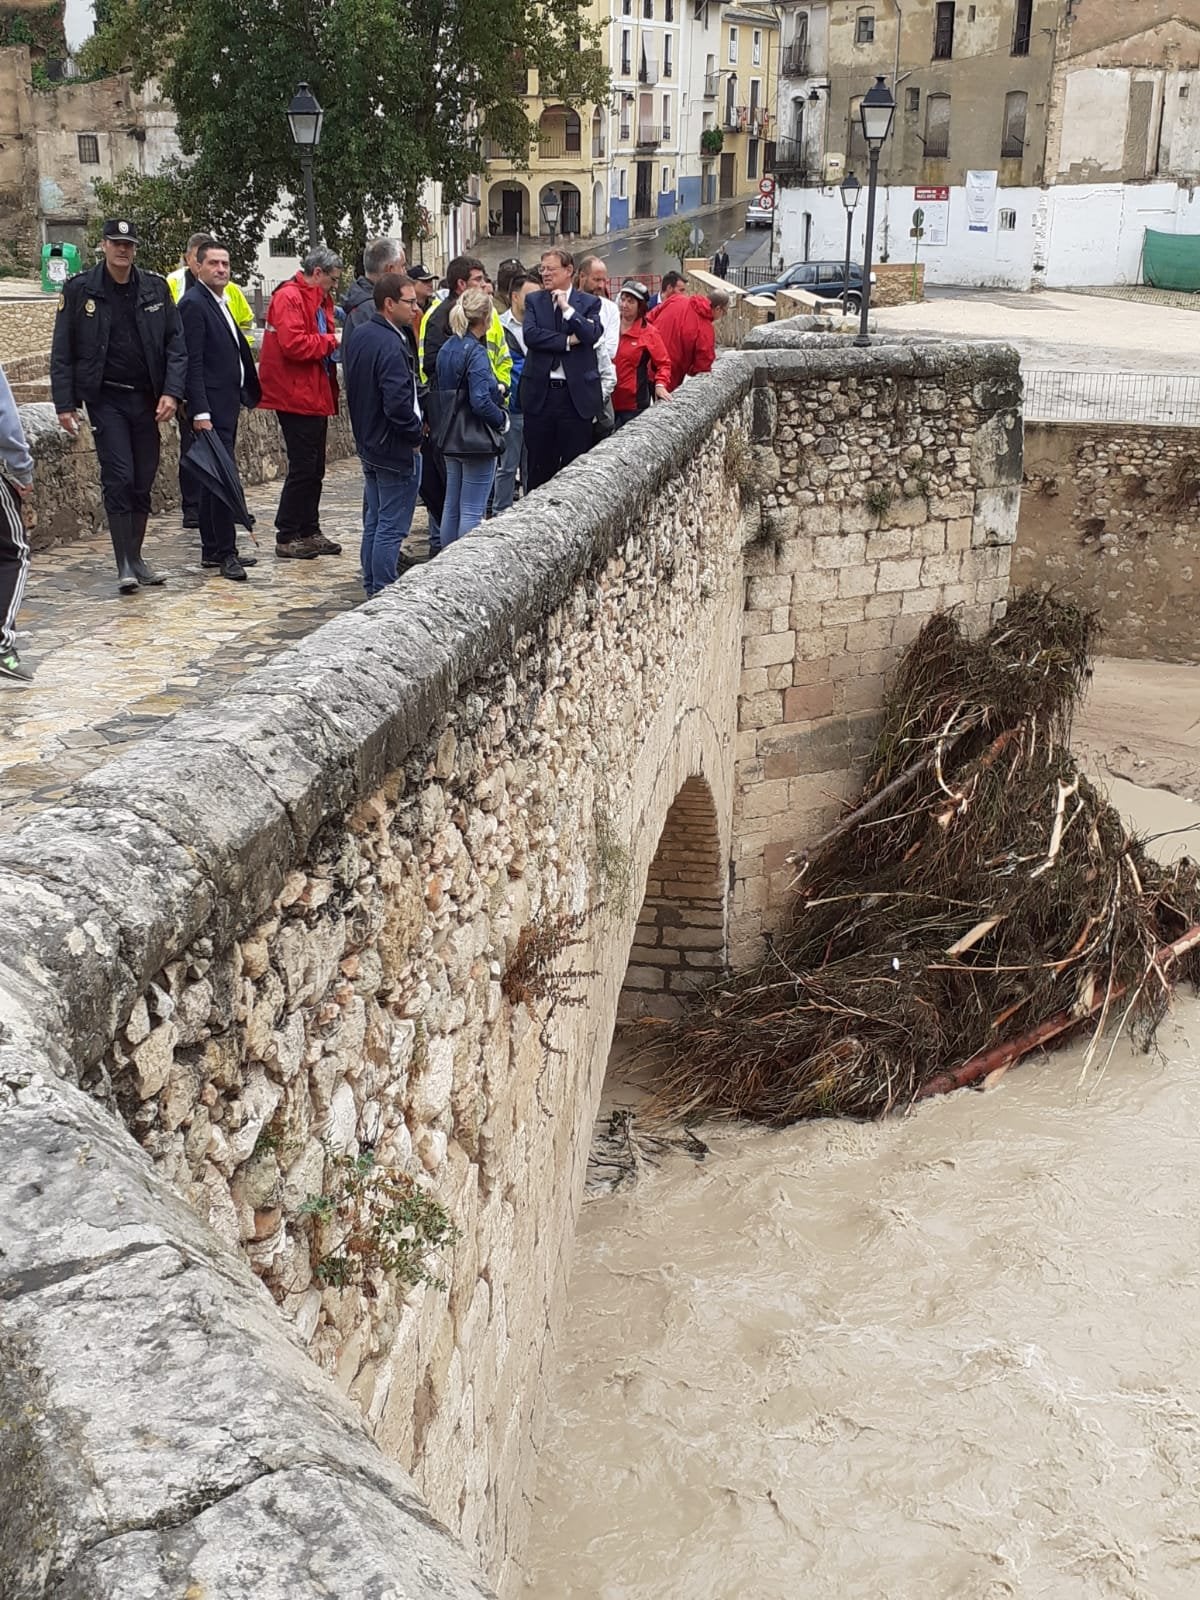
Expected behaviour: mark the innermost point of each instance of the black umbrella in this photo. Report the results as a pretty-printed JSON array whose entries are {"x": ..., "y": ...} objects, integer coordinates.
[{"x": 213, "y": 468}]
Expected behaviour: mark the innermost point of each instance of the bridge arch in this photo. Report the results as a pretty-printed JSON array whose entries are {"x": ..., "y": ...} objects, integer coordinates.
[{"x": 679, "y": 944}]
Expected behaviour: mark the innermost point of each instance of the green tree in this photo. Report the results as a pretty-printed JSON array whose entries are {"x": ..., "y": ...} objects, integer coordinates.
[
  {"x": 161, "y": 207},
  {"x": 410, "y": 92},
  {"x": 677, "y": 240}
]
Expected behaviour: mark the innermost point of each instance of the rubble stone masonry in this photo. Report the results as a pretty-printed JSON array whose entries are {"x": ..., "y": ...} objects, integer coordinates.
[
  {"x": 382, "y": 898},
  {"x": 1110, "y": 519}
]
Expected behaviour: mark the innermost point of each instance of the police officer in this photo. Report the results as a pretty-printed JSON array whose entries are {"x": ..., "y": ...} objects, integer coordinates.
[{"x": 119, "y": 350}]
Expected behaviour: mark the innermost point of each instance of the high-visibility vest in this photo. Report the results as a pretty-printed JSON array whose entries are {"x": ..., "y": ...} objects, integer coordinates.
[
  {"x": 499, "y": 354},
  {"x": 239, "y": 307}
]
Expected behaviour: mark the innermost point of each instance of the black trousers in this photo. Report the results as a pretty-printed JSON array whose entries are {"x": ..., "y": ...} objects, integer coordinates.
[
  {"x": 555, "y": 436},
  {"x": 433, "y": 490},
  {"x": 14, "y": 563},
  {"x": 127, "y": 445},
  {"x": 218, "y": 533},
  {"x": 299, "y": 513},
  {"x": 189, "y": 495}
]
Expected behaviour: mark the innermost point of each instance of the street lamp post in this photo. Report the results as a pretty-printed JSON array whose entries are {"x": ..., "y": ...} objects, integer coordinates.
[
  {"x": 551, "y": 205},
  {"x": 878, "y": 109},
  {"x": 850, "y": 189},
  {"x": 305, "y": 116}
]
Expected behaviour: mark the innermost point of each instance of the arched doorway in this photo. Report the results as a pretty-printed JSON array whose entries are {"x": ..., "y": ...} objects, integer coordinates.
[
  {"x": 679, "y": 944},
  {"x": 598, "y": 211},
  {"x": 508, "y": 209},
  {"x": 570, "y": 216}
]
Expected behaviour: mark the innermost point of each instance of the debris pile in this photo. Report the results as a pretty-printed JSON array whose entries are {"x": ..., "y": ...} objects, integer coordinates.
[{"x": 979, "y": 899}]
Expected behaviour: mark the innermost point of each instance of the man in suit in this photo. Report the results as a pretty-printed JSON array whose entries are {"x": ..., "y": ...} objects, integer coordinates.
[
  {"x": 221, "y": 379},
  {"x": 560, "y": 384}
]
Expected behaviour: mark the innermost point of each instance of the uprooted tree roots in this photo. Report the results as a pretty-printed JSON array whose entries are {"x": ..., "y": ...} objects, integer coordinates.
[{"x": 979, "y": 899}]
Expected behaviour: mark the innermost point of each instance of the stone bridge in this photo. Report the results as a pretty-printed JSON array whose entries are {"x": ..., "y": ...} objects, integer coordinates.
[{"x": 392, "y": 895}]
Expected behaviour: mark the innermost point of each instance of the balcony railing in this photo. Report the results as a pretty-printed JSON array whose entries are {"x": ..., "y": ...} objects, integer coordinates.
[
  {"x": 791, "y": 163},
  {"x": 598, "y": 148},
  {"x": 556, "y": 147},
  {"x": 648, "y": 134},
  {"x": 648, "y": 71},
  {"x": 795, "y": 60},
  {"x": 734, "y": 118},
  {"x": 712, "y": 84}
]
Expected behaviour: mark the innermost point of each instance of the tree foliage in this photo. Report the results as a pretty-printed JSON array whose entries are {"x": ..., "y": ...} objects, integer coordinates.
[
  {"x": 677, "y": 240},
  {"x": 410, "y": 92},
  {"x": 161, "y": 206}
]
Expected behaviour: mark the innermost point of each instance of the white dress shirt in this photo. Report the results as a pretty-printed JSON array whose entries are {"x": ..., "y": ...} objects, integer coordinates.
[{"x": 206, "y": 416}]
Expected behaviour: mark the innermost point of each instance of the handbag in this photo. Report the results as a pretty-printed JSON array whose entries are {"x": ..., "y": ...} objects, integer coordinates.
[{"x": 462, "y": 431}]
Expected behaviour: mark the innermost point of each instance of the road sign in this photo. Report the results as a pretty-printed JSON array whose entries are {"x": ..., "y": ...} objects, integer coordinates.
[
  {"x": 696, "y": 237},
  {"x": 766, "y": 186}
]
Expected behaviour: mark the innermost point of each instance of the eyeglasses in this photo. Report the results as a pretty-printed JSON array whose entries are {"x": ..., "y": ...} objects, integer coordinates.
[{"x": 407, "y": 300}]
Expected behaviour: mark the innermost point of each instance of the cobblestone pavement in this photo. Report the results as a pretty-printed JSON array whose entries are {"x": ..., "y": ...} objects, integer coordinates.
[{"x": 109, "y": 668}]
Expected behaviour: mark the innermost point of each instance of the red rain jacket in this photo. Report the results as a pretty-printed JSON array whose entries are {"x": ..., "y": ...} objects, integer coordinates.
[
  {"x": 295, "y": 367},
  {"x": 685, "y": 322}
]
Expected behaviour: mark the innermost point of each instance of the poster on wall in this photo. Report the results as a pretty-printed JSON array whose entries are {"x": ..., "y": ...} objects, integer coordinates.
[
  {"x": 981, "y": 201},
  {"x": 935, "y": 204}
]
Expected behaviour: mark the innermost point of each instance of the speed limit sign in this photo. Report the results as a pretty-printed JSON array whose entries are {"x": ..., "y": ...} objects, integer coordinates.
[{"x": 766, "y": 186}]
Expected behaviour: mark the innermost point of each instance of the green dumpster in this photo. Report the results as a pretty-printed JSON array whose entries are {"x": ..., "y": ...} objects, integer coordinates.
[{"x": 59, "y": 262}]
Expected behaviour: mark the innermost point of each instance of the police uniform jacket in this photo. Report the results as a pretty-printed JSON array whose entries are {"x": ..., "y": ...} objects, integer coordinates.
[{"x": 81, "y": 331}]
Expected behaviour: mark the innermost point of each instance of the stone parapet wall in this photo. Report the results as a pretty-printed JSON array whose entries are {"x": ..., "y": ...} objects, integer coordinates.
[
  {"x": 889, "y": 485},
  {"x": 1110, "y": 519},
  {"x": 67, "y": 501},
  {"x": 893, "y": 284},
  {"x": 26, "y": 332}
]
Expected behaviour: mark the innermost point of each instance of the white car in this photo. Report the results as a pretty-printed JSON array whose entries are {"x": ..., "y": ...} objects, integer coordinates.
[{"x": 759, "y": 214}]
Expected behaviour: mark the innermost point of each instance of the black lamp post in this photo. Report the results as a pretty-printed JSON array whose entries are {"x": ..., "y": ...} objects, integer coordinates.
[
  {"x": 305, "y": 116},
  {"x": 850, "y": 189},
  {"x": 877, "y": 110},
  {"x": 551, "y": 206}
]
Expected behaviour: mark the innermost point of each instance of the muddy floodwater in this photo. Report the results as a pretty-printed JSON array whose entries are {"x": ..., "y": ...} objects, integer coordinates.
[{"x": 953, "y": 1356}]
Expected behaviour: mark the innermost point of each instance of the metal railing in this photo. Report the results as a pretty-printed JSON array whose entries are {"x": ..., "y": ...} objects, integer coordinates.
[
  {"x": 791, "y": 165},
  {"x": 750, "y": 277},
  {"x": 649, "y": 133},
  {"x": 1160, "y": 398},
  {"x": 712, "y": 84},
  {"x": 557, "y": 147},
  {"x": 795, "y": 61}
]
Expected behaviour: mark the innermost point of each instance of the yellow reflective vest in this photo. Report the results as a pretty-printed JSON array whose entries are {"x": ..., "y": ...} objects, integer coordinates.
[
  {"x": 239, "y": 306},
  {"x": 499, "y": 354}
]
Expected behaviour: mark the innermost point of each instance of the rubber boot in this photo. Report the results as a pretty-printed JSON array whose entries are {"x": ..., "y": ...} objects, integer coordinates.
[
  {"x": 120, "y": 526},
  {"x": 147, "y": 578}
]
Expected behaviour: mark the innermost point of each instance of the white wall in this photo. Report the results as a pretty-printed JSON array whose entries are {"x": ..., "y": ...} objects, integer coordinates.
[
  {"x": 1070, "y": 236},
  {"x": 1095, "y": 117}
]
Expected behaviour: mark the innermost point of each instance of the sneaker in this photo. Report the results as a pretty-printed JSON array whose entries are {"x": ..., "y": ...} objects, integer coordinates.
[
  {"x": 297, "y": 549},
  {"x": 326, "y": 547},
  {"x": 11, "y": 668}
]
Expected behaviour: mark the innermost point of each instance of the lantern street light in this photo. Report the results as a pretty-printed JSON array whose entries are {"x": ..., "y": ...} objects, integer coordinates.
[
  {"x": 849, "y": 189},
  {"x": 305, "y": 117},
  {"x": 551, "y": 206},
  {"x": 877, "y": 110}
]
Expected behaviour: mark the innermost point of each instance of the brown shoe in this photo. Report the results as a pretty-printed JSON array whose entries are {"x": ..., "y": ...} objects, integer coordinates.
[
  {"x": 324, "y": 546},
  {"x": 297, "y": 549}
]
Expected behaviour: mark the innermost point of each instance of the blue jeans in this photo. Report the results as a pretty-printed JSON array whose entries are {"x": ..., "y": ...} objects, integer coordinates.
[
  {"x": 469, "y": 481},
  {"x": 506, "y": 472},
  {"x": 389, "y": 502}
]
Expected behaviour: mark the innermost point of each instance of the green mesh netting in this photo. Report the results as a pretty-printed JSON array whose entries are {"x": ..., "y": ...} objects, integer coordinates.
[{"x": 1171, "y": 260}]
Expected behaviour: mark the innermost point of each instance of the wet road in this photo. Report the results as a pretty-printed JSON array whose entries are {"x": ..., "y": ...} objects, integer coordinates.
[{"x": 628, "y": 257}]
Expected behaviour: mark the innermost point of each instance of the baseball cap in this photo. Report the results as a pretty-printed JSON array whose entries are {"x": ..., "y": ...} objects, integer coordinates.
[
  {"x": 638, "y": 290},
  {"x": 120, "y": 228},
  {"x": 418, "y": 273}
]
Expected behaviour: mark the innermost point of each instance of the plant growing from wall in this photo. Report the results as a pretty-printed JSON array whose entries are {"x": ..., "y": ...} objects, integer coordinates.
[
  {"x": 878, "y": 498},
  {"x": 380, "y": 1219},
  {"x": 712, "y": 141}
]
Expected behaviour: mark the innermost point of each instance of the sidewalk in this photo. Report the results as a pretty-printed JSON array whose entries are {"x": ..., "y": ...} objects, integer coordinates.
[{"x": 109, "y": 668}]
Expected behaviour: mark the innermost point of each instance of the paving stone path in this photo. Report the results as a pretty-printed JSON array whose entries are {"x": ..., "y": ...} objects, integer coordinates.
[{"x": 110, "y": 668}]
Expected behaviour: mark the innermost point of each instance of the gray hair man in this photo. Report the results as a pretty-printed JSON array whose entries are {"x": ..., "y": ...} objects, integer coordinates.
[
  {"x": 381, "y": 258},
  {"x": 298, "y": 375}
]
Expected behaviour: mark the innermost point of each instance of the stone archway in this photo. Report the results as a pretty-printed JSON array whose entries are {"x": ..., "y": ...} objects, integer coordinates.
[
  {"x": 680, "y": 939},
  {"x": 508, "y": 209}
]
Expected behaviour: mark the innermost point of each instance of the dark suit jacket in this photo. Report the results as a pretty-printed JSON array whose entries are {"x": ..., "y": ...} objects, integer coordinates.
[
  {"x": 546, "y": 332},
  {"x": 221, "y": 375}
]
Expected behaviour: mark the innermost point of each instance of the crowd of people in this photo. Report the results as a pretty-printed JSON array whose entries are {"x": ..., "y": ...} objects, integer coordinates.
[{"x": 463, "y": 395}]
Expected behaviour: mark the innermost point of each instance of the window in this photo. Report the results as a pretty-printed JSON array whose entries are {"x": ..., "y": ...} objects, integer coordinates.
[
  {"x": 730, "y": 99},
  {"x": 856, "y": 144},
  {"x": 626, "y": 53},
  {"x": 752, "y": 159},
  {"x": 937, "y": 126},
  {"x": 733, "y": 44},
  {"x": 281, "y": 245},
  {"x": 1012, "y": 141},
  {"x": 1022, "y": 27},
  {"x": 573, "y": 130},
  {"x": 626, "y": 8},
  {"x": 912, "y": 101},
  {"x": 864, "y": 28},
  {"x": 1006, "y": 221},
  {"x": 666, "y": 120},
  {"x": 648, "y": 10},
  {"x": 89, "y": 150},
  {"x": 626, "y": 118},
  {"x": 669, "y": 11},
  {"x": 668, "y": 64},
  {"x": 943, "y": 31},
  {"x": 970, "y": 13},
  {"x": 756, "y": 47},
  {"x": 621, "y": 184},
  {"x": 666, "y": 180}
]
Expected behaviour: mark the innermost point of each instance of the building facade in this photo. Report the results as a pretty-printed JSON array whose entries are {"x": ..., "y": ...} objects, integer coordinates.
[{"x": 1034, "y": 141}]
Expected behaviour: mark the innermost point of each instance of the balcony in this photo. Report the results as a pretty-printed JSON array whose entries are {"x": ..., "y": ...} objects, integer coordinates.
[
  {"x": 734, "y": 119},
  {"x": 557, "y": 147},
  {"x": 791, "y": 167},
  {"x": 795, "y": 60},
  {"x": 649, "y": 135},
  {"x": 712, "y": 85},
  {"x": 648, "y": 72}
]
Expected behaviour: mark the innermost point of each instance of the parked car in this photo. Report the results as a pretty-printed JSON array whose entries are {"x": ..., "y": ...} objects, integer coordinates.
[
  {"x": 759, "y": 215},
  {"x": 823, "y": 278}
]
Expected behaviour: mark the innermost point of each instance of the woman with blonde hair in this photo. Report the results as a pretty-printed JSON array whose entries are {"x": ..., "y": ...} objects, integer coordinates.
[{"x": 474, "y": 422}]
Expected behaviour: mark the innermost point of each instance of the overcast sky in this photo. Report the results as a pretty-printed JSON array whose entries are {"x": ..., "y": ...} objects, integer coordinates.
[{"x": 78, "y": 22}]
